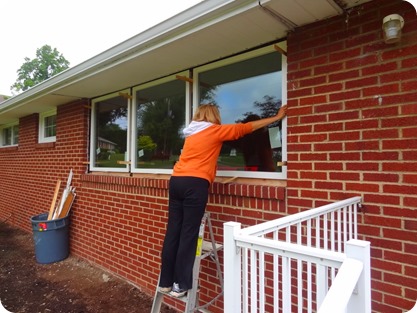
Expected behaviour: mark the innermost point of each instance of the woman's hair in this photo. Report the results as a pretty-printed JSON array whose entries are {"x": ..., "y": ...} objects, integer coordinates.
[{"x": 207, "y": 113}]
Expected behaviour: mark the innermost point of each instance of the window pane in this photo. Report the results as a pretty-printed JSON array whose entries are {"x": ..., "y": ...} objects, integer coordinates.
[
  {"x": 245, "y": 91},
  {"x": 16, "y": 134},
  {"x": 7, "y": 136},
  {"x": 160, "y": 112},
  {"x": 50, "y": 126},
  {"x": 111, "y": 132}
]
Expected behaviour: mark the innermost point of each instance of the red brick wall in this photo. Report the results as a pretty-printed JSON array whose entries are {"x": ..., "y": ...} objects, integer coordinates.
[
  {"x": 119, "y": 223},
  {"x": 29, "y": 172},
  {"x": 352, "y": 131}
]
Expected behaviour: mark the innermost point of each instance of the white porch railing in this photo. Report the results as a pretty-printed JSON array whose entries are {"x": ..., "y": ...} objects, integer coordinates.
[{"x": 287, "y": 265}]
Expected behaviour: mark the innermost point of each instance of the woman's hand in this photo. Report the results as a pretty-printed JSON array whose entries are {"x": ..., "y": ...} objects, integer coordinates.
[
  {"x": 282, "y": 112},
  {"x": 269, "y": 120}
]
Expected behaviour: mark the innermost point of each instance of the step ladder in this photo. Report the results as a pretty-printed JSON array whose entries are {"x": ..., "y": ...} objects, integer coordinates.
[{"x": 205, "y": 249}]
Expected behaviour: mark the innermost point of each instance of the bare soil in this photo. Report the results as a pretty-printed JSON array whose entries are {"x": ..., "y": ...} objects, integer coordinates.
[{"x": 68, "y": 286}]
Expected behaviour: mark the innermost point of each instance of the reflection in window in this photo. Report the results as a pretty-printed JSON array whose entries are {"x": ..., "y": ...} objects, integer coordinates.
[
  {"x": 111, "y": 132},
  {"x": 47, "y": 126},
  {"x": 50, "y": 126},
  {"x": 160, "y": 117},
  {"x": 9, "y": 135},
  {"x": 245, "y": 91}
]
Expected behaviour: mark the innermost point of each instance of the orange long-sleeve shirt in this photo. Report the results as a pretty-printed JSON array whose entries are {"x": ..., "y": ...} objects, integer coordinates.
[{"x": 202, "y": 148}]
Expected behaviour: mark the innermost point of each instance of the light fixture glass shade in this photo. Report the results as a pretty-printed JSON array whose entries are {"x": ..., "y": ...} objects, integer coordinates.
[{"x": 392, "y": 25}]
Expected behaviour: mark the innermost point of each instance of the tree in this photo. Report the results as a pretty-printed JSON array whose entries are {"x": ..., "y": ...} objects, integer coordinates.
[{"x": 48, "y": 62}]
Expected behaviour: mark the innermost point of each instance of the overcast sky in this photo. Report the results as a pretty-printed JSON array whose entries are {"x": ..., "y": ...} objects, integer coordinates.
[{"x": 78, "y": 29}]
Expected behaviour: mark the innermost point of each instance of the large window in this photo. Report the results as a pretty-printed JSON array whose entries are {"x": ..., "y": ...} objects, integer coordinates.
[
  {"x": 47, "y": 126},
  {"x": 140, "y": 129},
  {"x": 109, "y": 132},
  {"x": 159, "y": 117},
  {"x": 246, "y": 88},
  {"x": 9, "y": 135}
]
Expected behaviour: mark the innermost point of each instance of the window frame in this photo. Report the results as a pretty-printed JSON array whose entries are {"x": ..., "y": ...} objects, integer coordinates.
[
  {"x": 133, "y": 132},
  {"x": 191, "y": 103},
  {"x": 241, "y": 57},
  {"x": 42, "y": 117},
  {"x": 93, "y": 144},
  {"x": 11, "y": 126}
]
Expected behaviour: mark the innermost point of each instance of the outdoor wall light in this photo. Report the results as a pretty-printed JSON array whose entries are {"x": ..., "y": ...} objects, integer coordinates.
[{"x": 392, "y": 25}]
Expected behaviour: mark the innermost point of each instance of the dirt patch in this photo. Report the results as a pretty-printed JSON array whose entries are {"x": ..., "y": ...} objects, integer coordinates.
[{"x": 68, "y": 286}]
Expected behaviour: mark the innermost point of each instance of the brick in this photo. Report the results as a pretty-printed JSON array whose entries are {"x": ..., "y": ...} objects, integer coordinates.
[
  {"x": 344, "y": 176},
  {"x": 399, "y": 144},
  {"x": 345, "y": 136},
  {"x": 411, "y": 62},
  {"x": 347, "y": 95},
  {"x": 361, "y": 145},
  {"x": 333, "y": 146},
  {"x": 327, "y": 88},
  {"x": 361, "y": 82},
  {"x": 410, "y": 179},
  {"x": 343, "y": 76},
  {"x": 381, "y": 199},
  {"x": 328, "y": 68},
  {"x": 400, "y": 189},
  {"x": 347, "y": 156},
  {"x": 328, "y": 166},
  {"x": 349, "y": 115},
  {"x": 328, "y": 127},
  {"x": 380, "y": 134},
  {"x": 381, "y": 177},
  {"x": 362, "y": 61},
  {"x": 408, "y": 86},
  {"x": 374, "y": 156},
  {"x": 328, "y": 185}
]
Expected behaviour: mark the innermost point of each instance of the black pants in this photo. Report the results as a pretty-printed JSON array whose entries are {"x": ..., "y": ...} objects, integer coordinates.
[{"x": 187, "y": 202}]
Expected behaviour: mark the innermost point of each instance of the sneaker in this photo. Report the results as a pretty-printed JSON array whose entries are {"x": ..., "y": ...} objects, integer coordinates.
[
  {"x": 177, "y": 292},
  {"x": 164, "y": 289}
]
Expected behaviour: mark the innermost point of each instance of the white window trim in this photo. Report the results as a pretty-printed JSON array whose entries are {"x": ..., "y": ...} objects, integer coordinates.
[
  {"x": 42, "y": 116},
  {"x": 93, "y": 168},
  {"x": 238, "y": 58},
  {"x": 133, "y": 132},
  {"x": 10, "y": 125}
]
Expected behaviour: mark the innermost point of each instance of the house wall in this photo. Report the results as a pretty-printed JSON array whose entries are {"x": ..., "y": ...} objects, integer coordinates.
[
  {"x": 117, "y": 220},
  {"x": 351, "y": 131},
  {"x": 29, "y": 171}
]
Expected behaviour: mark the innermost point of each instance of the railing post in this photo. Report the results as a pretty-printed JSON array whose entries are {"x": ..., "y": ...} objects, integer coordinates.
[
  {"x": 232, "y": 269},
  {"x": 360, "y": 302}
]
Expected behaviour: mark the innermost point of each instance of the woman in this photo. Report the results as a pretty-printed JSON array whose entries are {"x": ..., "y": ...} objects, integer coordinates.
[{"x": 188, "y": 191}]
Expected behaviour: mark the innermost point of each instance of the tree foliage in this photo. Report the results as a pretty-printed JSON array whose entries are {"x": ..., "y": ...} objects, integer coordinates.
[{"x": 48, "y": 62}]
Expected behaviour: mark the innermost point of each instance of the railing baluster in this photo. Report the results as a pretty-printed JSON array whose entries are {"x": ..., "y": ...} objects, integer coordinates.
[
  {"x": 355, "y": 220},
  {"x": 339, "y": 231},
  {"x": 332, "y": 240},
  {"x": 309, "y": 272},
  {"x": 261, "y": 282},
  {"x": 350, "y": 222},
  {"x": 276, "y": 277},
  {"x": 345, "y": 230},
  {"x": 245, "y": 284},
  {"x": 253, "y": 281},
  {"x": 299, "y": 273},
  {"x": 325, "y": 234}
]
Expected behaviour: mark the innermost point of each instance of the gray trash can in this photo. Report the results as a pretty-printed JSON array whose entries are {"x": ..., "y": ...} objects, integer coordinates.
[{"x": 51, "y": 238}]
